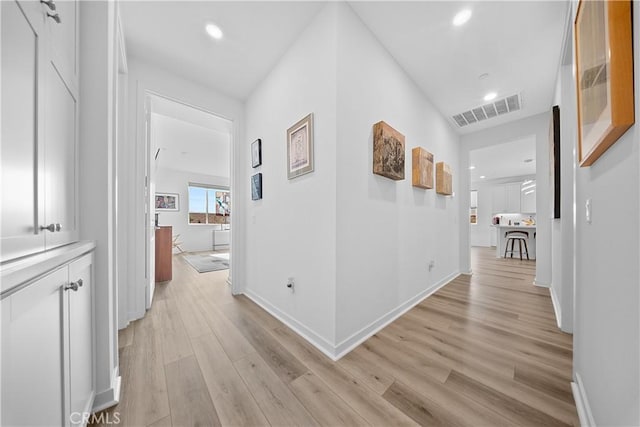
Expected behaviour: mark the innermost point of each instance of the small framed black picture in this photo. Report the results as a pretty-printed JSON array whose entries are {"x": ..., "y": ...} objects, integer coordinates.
[
  {"x": 256, "y": 187},
  {"x": 256, "y": 153}
]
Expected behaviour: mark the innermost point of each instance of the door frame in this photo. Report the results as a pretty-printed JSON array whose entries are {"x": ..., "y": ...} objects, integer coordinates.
[{"x": 149, "y": 209}]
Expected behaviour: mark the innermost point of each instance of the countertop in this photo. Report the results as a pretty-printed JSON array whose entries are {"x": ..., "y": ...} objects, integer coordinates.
[
  {"x": 513, "y": 226},
  {"x": 15, "y": 274}
]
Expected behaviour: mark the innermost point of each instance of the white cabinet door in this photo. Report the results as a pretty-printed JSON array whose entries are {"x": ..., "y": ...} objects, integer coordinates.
[
  {"x": 32, "y": 353},
  {"x": 22, "y": 56},
  {"x": 81, "y": 345},
  {"x": 63, "y": 37},
  {"x": 499, "y": 199},
  {"x": 39, "y": 126},
  {"x": 529, "y": 202},
  {"x": 60, "y": 159},
  {"x": 60, "y": 124},
  {"x": 513, "y": 197}
]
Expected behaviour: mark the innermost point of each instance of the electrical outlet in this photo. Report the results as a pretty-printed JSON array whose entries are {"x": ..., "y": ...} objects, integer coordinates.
[{"x": 291, "y": 284}]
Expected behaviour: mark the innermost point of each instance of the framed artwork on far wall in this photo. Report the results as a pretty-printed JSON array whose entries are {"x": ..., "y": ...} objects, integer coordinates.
[
  {"x": 167, "y": 202},
  {"x": 256, "y": 153},
  {"x": 300, "y": 148},
  {"x": 604, "y": 70},
  {"x": 256, "y": 187}
]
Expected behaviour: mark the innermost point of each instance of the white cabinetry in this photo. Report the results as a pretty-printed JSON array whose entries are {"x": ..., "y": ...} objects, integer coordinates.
[
  {"x": 47, "y": 347},
  {"x": 39, "y": 127},
  {"x": 512, "y": 195},
  {"x": 528, "y": 202},
  {"x": 498, "y": 199},
  {"x": 506, "y": 198}
]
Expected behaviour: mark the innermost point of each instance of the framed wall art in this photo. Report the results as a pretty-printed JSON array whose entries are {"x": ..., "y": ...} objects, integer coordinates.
[
  {"x": 256, "y": 187},
  {"x": 300, "y": 147},
  {"x": 167, "y": 202},
  {"x": 604, "y": 70},
  {"x": 388, "y": 152},
  {"x": 554, "y": 161},
  {"x": 256, "y": 153},
  {"x": 444, "y": 183},
  {"x": 421, "y": 168}
]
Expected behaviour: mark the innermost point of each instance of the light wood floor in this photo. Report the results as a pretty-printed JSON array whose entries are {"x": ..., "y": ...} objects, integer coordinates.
[{"x": 484, "y": 350}]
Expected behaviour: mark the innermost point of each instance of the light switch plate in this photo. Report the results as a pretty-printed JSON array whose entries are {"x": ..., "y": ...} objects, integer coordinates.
[{"x": 587, "y": 207}]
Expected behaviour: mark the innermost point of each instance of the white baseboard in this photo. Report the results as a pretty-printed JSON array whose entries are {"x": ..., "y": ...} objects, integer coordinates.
[
  {"x": 305, "y": 332},
  {"x": 110, "y": 397},
  {"x": 536, "y": 282},
  {"x": 556, "y": 306},
  {"x": 377, "y": 325},
  {"x": 582, "y": 403},
  {"x": 467, "y": 273},
  {"x": 335, "y": 352}
]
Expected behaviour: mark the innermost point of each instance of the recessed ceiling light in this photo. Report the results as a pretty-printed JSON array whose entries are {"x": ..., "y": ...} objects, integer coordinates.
[
  {"x": 490, "y": 96},
  {"x": 462, "y": 17},
  {"x": 214, "y": 31},
  {"x": 482, "y": 177},
  {"x": 471, "y": 168}
]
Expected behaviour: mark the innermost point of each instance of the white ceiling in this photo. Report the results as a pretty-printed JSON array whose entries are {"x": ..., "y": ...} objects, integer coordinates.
[
  {"x": 188, "y": 147},
  {"x": 193, "y": 115},
  {"x": 503, "y": 160},
  {"x": 171, "y": 35},
  {"x": 518, "y": 43}
]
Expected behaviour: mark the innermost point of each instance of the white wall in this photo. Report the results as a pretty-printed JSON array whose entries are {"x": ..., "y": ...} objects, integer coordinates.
[
  {"x": 357, "y": 244},
  {"x": 387, "y": 231},
  {"x": 291, "y": 231},
  {"x": 96, "y": 154},
  {"x": 607, "y": 298},
  {"x": 535, "y": 126},
  {"x": 146, "y": 78},
  {"x": 480, "y": 233},
  {"x": 563, "y": 229},
  {"x": 194, "y": 237}
]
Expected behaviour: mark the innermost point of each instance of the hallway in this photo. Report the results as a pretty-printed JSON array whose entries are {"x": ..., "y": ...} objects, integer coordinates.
[{"x": 483, "y": 350}]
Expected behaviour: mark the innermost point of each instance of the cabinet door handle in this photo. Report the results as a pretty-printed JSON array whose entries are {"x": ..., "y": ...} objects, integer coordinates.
[
  {"x": 55, "y": 17},
  {"x": 50, "y": 227},
  {"x": 73, "y": 286},
  {"x": 50, "y": 4},
  {"x": 80, "y": 283}
]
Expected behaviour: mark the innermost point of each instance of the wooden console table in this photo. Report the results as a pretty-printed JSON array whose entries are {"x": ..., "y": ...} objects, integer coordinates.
[{"x": 164, "y": 237}]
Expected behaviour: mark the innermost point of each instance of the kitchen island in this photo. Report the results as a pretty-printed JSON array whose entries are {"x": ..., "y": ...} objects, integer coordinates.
[{"x": 501, "y": 240}]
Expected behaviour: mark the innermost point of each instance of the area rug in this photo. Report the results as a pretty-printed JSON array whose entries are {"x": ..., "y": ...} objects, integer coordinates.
[{"x": 204, "y": 263}]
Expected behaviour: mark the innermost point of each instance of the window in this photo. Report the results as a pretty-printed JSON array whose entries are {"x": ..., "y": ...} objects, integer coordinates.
[{"x": 209, "y": 205}]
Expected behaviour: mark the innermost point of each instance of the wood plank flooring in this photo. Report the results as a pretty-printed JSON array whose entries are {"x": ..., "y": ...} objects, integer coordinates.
[{"x": 483, "y": 351}]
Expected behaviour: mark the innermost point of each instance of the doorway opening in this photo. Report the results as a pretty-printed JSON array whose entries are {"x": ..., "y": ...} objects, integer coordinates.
[
  {"x": 502, "y": 209},
  {"x": 189, "y": 195}
]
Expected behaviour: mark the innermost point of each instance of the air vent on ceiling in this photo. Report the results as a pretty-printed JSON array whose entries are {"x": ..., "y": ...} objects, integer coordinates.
[{"x": 488, "y": 111}]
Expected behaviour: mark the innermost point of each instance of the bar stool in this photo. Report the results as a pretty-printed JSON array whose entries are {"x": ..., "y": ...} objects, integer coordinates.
[{"x": 521, "y": 237}]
